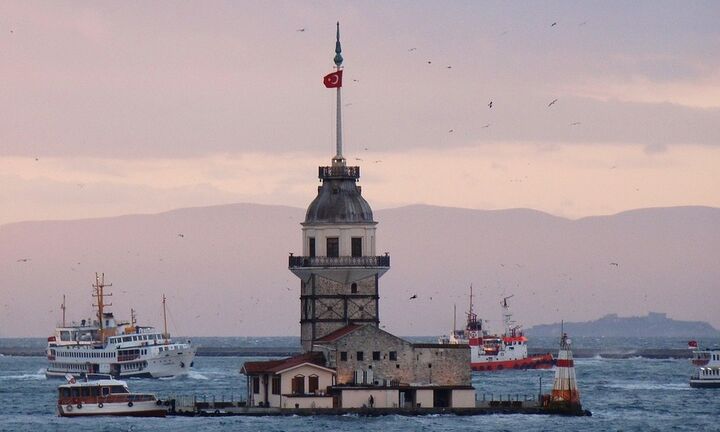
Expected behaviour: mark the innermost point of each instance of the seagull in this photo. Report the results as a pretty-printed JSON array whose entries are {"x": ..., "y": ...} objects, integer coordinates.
[
  {"x": 37, "y": 159},
  {"x": 490, "y": 104},
  {"x": 23, "y": 260},
  {"x": 429, "y": 62},
  {"x": 358, "y": 159},
  {"x": 449, "y": 67},
  {"x": 553, "y": 102},
  {"x": 553, "y": 24},
  {"x": 575, "y": 123},
  {"x": 301, "y": 29},
  {"x": 412, "y": 49},
  {"x": 615, "y": 264},
  {"x": 378, "y": 161},
  {"x": 583, "y": 23},
  {"x": 356, "y": 80},
  {"x": 412, "y": 297},
  {"x": 181, "y": 235},
  {"x": 486, "y": 126},
  {"x": 451, "y": 131}
]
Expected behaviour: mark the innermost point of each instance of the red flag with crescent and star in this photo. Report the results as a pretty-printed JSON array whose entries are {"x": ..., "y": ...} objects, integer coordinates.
[{"x": 333, "y": 80}]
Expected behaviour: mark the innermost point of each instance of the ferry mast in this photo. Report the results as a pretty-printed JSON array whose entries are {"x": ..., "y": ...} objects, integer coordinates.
[{"x": 99, "y": 293}]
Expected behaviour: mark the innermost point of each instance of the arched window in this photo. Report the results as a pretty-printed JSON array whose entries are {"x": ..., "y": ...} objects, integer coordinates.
[
  {"x": 313, "y": 383},
  {"x": 298, "y": 384}
]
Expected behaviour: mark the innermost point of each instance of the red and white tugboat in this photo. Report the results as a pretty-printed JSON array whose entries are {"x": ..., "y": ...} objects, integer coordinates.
[
  {"x": 707, "y": 363},
  {"x": 496, "y": 353},
  {"x": 105, "y": 397}
]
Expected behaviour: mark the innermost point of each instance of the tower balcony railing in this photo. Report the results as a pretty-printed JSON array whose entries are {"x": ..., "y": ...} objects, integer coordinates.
[
  {"x": 326, "y": 172},
  {"x": 344, "y": 261}
]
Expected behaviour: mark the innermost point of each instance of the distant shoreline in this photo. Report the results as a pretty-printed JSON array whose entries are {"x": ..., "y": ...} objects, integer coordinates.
[{"x": 649, "y": 353}]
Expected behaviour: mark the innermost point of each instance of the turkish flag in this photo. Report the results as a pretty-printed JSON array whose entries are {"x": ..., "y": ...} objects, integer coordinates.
[{"x": 333, "y": 80}]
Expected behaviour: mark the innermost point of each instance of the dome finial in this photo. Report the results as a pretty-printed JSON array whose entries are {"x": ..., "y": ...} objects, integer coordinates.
[{"x": 338, "y": 57}]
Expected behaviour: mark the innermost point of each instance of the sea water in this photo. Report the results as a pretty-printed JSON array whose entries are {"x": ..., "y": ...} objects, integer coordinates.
[{"x": 634, "y": 394}]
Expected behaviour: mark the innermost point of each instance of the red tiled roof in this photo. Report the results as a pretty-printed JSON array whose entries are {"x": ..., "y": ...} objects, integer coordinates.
[
  {"x": 337, "y": 334},
  {"x": 272, "y": 366}
]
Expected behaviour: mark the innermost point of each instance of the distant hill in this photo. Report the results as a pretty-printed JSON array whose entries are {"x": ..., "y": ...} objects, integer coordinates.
[
  {"x": 652, "y": 325},
  {"x": 224, "y": 268}
]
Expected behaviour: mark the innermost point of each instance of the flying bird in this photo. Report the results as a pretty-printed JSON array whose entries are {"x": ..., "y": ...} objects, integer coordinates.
[
  {"x": 412, "y": 49},
  {"x": 449, "y": 67},
  {"x": 553, "y": 102},
  {"x": 412, "y": 297},
  {"x": 429, "y": 62},
  {"x": 575, "y": 123},
  {"x": 486, "y": 126},
  {"x": 378, "y": 161},
  {"x": 23, "y": 260},
  {"x": 181, "y": 235},
  {"x": 358, "y": 159},
  {"x": 615, "y": 264},
  {"x": 553, "y": 24},
  {"x": 451, "y": 131},
  {"x": 301, "y": 29},
  {"x": 356, "y": 80},
  {"x": 490, "y": 104}
]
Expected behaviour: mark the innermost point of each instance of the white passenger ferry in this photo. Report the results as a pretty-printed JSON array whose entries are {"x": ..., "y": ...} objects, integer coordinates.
[
  {"x": 120, "y": 349},
  {"x": 707, "y": 371}
]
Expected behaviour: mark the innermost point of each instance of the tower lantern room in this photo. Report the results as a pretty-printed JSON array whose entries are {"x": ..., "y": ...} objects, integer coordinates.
[{"x": 339, "y": 268}]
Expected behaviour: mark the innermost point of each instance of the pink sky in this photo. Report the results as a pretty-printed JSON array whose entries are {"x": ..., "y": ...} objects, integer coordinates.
[{"x": 135, "y": 107}]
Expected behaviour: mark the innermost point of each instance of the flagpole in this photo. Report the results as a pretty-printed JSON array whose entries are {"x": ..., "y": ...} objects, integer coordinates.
[{"x": 339, "y": 159}]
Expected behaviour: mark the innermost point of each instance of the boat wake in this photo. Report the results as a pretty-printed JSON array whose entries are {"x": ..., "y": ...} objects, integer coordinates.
[
  {"x": 196, "y": 375},
  {"x": 40, "y": 375}
]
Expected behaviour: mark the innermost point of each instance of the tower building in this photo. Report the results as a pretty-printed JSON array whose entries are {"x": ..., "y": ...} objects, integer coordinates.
[{"x": 339, "y": 268}]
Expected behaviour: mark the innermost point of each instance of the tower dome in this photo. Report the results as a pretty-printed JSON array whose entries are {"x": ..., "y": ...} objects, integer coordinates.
[{"x": 339, "y": 201}]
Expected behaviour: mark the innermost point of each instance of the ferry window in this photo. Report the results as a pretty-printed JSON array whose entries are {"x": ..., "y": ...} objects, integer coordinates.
[
  {"x": 256, "y": 385},
  {"x": 95, "y": 391},
  {"x": 333, "y": 247},
  {"x": 313, "y": 383},
  {"x": 85, "y": 391},
  {"x": 311, "y": 247},
  {"x": 118, "y": 389},
  {"x": 356, "y": 246},
  {"x": 376, "y": 355},
  {"x": 360, "y": 356},
  {"x": 393, "y": 355},
  {"x": 105, "y": 391},
  {"x": 65, "y": 392},
  {"x": 75, "y": 392},
  {"x": 276, "y": 384},
  {"x": 353, "y": 288},
  {"x": 343, "y": 355}
]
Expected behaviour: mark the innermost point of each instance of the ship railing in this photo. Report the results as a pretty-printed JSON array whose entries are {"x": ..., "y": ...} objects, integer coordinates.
[{"x": 344, "y": 261}]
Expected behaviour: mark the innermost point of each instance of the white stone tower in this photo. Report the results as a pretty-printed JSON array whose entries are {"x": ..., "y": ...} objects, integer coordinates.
[{"x": 339, "y": 268}]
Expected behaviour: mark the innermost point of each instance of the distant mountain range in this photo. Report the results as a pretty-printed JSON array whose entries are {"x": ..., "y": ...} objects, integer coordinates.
[
  {"x": 652, "y": 325},
  {"x": 224, "y": 268}
]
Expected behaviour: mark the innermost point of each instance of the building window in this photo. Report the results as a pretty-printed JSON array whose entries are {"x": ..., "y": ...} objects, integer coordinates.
[
  {"x": 333, "y": 247},
  {"x": 360, "y": 356},
  {"x": 276, "y": 384},
  {"x": 393, "y": 355},
  {"x": 312, "y": 246},
  {"x": 298, "y": 384},
  {"x": 343, "y": 355},
  {"x": 376, "y": 355},
  {"x": 256, "y": 385},
  {"x": 356, "y": 246},
  {"x": 313, "y": 383},
  {"x": 353, "y": 288}
]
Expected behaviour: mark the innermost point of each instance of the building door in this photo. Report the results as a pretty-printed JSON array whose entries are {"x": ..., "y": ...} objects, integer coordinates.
[{"x": 442, "y": 398}]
